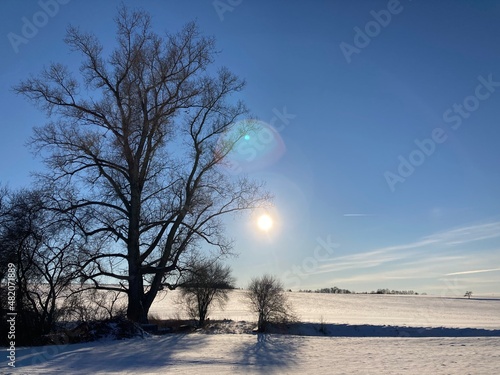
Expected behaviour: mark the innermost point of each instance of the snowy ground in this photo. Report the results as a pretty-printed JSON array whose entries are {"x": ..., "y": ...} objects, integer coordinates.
[
  {"x": 260, "y": 354},
  {"x": 415, "y": 311},
  {"x": 359, "y": 342}
]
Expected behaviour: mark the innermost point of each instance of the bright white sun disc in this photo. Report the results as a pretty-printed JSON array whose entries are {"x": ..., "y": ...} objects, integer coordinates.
[{"x": 265, "y": 222}]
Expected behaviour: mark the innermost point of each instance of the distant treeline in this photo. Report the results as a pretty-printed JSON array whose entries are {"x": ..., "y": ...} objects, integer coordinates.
[
  {"x": 336, "y": 290},
  {"x": 387, "y": 291},
  {"x": 333, "y": 290}
]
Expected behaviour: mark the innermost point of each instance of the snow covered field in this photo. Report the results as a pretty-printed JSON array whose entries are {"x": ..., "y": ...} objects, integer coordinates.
[
  {"x": 280, "y": 354},
  {"x": 363, "y": 349},
  {"x": 414, "y": 311}
]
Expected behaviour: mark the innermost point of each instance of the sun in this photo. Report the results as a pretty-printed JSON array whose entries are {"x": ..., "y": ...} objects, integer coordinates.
[{"x": 265, "y": 222}]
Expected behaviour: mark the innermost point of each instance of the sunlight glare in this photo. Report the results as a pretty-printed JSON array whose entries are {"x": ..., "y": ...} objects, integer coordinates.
[{"x": 265, "y": 222}]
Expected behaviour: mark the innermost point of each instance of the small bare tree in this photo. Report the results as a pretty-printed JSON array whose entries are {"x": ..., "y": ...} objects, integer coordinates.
[
  {"x": 268, "y": 299},
  {"x": 468, "y": 294},
  {"x": 207, "y": 282}
]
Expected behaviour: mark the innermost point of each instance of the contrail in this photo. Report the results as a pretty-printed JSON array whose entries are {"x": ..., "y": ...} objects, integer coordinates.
[{"x": 469, "y": 272}]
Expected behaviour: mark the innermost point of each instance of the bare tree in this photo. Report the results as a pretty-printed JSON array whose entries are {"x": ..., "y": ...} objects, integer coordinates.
[
  {"x": 93, "y": 304},
  {"x": 135, "y": 148},
  {"x": 43, "y": 248},
  {"x": 206, "y": 283},
  {"x": 468, "y": 294},
  {"x": 267, "y": 298}
]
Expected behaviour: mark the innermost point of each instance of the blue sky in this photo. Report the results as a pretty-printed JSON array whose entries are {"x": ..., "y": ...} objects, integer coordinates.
[{"x": 384, "y": 158}]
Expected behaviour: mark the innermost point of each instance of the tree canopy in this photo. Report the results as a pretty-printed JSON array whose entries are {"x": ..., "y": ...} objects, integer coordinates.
[{"x": 134, "y": 146}]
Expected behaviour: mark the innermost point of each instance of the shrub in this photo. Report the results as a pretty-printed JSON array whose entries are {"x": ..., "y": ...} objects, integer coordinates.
[{"x": 267, "y": 297}]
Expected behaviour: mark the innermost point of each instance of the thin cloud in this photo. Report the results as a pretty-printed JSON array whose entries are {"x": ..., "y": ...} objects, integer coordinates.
[
  {"x": 467, "y": 234},
  {"x": 362, "y": 257},
  {"x": 380, "y": 256},
  {"x": 378, "y": 277},
  {"x": 355, "y": 264},
  {"x": 450, "y": 237},
  {"x": 432, "y": 270},
  {"x": 359, "y": 215},
  {"x": 471, "y": 272}
]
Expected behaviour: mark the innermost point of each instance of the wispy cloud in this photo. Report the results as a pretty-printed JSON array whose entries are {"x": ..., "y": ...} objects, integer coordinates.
[
  {"x": 417, "y": 273},
  {"x": 380, "y": 256},
  {"x": 473, "y": 271},
  {"x": 372, "y": 258},
  {"x": 467, "y": 234},
  {"x": 424, "y": 268},
  {"x": 347, "y": 263},
  {"x": 359, "y": 215}
]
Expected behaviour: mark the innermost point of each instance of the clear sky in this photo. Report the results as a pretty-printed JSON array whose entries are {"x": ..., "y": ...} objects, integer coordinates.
[{"x": 384, "y": 158}]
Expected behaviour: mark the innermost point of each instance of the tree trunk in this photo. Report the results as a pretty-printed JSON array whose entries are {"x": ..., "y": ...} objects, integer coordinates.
[
  {"x": 136, "y": 311},
  {"x": 261, "y": 325}
]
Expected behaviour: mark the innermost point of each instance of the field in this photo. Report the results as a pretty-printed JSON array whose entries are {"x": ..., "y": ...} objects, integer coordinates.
[
  {"x": 414, "y": 311},
  {"x": 428, "y": 335}
]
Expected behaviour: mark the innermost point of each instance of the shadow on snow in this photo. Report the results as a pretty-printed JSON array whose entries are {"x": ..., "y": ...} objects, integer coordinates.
[
  {"x": 113, "y": 355},
  {"x": 269, "y": 353},
  {"x": 366, "y": 330}
]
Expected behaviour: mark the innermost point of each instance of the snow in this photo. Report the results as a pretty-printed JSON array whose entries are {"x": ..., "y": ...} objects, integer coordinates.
[
  {"x": 265, "y": 354},
  {"x": 367, "y": 334},
  {"x": 414, "y": 311}
]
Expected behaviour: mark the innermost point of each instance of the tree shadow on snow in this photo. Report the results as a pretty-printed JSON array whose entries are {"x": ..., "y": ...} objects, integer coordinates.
[
  {"x": 366, "y": 330},
  {"x": 133, "y": 354},
  {"x": 269, "y": 353}
]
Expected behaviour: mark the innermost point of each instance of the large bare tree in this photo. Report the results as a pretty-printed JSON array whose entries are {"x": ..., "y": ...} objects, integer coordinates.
[{"x": 134, "y": 148}]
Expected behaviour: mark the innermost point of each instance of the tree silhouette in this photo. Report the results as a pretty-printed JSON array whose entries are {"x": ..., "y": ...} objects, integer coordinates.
[
  {"x": 134, "y": 149},
  {"x": 43, "y": 248},
  {"x": 206, "y": 283},
  {"x": 267, "y": 298}
]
